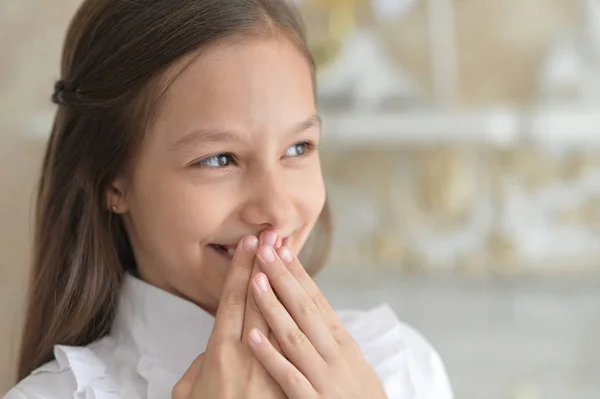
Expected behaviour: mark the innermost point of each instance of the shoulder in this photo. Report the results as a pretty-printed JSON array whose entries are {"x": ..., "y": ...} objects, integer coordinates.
[
  {"x": 406, "y": 362},
  {"x": 76, "y": 372},
  {"x": 47, "y": 382}
]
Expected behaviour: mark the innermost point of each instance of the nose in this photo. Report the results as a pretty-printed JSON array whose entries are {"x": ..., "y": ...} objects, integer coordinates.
[{"x": 270, "y": 205}]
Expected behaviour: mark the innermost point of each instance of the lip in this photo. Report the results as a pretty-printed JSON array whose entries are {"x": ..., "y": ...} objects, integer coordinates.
[
  {"x": 224, "y": 255},
  {"x": 231, "y": 248}
]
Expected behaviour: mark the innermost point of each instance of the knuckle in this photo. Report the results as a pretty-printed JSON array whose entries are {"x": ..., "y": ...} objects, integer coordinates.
[
  {"x": 341, "y": 335},
  {"x": 220, "y": 356},
  {"x": 219, "y": 360},
  {"x": 309, "y": 309},
  {"x": 296, "y": 337},
  {"x": 320, "y": 301},
  {"x": 336, "y": 328},
  {"x": 348, "y": 343},
  {"x": 281, "y": 275},
  {"x": 234, "y": 301},
  {"x": 292, "y": 378}
]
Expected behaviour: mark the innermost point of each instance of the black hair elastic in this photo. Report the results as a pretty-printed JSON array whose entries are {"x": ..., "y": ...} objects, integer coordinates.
[{"x": 61, "y": 92}]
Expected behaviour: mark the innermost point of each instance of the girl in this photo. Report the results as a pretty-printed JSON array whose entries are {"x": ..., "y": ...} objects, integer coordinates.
[{"x": 181, "y": 180}]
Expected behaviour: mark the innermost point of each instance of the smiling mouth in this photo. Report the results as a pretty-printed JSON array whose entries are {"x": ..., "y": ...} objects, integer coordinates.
[
  {"x": 225, "y": 250},
  {"x": 228, "y": 250}
]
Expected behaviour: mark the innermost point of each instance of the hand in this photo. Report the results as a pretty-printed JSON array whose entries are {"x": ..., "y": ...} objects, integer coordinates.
[
  {"x": 228, "y": 369},
  {"x": 323, "y": 361}
]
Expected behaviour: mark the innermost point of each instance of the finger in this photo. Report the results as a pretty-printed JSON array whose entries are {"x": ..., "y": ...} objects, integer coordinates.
[
  {"x": 274, "y": 342},
  {"x": 298, "y": 303},
  {"x": 299, "y": 273},
  {"x": 253, "y": 318},
  {"x": 294, "y": 343},
  {"x": 229, "y": 320},
  {"x": 183, "y": 389},
  {"x": 268, "y": 237},
  {"x": 294, "y": 384}
]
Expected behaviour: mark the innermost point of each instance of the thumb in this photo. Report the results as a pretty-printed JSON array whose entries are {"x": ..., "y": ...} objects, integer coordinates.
[{"x": 183, "y": 389}]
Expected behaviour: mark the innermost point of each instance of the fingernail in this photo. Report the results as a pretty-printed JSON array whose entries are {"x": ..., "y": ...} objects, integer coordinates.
[
  {"x": 255, "y": 337},
  {"x": 286, "y": 255},
  {"x": 268, "y": 255},
  {"x": 262, "y": 284},
  {"x": 269, "y": 238},
  {"x": 249, "y": 244}
]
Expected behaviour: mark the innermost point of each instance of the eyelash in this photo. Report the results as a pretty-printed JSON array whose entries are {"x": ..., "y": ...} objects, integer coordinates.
[{"x": 308, "y": 148}]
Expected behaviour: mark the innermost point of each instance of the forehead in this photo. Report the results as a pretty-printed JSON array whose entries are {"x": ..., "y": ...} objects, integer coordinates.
[{"x": 257, "y": 85}]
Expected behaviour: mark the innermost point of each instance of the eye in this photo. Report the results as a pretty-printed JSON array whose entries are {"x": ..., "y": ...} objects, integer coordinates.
[
  {"x": 217, "y": 161},
  {"x": 299, "y": 149}
]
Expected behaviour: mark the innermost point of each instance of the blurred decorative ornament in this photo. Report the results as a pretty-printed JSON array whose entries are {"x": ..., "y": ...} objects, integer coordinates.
[
  {"x": 389, "y": 9},
  {"x": 342, "y": 17},
  {"x": 340, "y": 21},
  {"x": 352, "y": 63},
  {"x": 364, "y": 73},
  {"x": 325, "y": 52},
  {"x": 572, "y": 70}
]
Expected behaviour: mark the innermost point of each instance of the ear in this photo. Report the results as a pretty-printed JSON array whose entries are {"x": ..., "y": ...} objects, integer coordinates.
[{"x": 116, "y": 199}]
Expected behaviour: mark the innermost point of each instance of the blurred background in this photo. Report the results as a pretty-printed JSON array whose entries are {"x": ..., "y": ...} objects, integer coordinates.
[{"x": 462, "y": 156}]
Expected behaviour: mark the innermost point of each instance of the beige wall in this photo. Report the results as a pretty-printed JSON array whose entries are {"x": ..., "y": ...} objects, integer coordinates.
[
  {"x": 20, "y": 163},
  {"x": 30, "y": 47}
]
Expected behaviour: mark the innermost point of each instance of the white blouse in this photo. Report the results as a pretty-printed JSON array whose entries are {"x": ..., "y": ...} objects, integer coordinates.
[{"x": 157, "y": 335}]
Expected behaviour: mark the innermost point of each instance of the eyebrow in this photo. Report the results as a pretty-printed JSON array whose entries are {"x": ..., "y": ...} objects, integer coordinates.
[
  {"x": 213, "y": 136},
  {"x": 313, "y": 121}
]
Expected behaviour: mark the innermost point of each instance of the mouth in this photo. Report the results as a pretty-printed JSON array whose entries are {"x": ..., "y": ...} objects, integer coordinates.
[
  {"x": 224, "y": 250},
  {"x": 227, "y": 250}
]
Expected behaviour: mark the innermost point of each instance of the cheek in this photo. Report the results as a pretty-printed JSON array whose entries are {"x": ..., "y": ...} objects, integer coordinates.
[
  {"x": 317, "y": 199},
  {"x": 176, "y": 215},
  {"x": 313, "y": 190},
  {"x": 310, "y": 194}
]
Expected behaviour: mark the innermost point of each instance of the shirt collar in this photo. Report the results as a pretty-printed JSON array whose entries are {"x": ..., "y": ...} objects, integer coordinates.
[{"x": 161, "y": 325}]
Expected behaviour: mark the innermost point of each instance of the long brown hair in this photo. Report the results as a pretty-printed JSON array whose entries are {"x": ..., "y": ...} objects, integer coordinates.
[{"x": 114, "y": 54}]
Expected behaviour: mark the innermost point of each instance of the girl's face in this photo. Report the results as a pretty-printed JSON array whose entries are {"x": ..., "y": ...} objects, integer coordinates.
[{"x": 230, "y": 153}]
